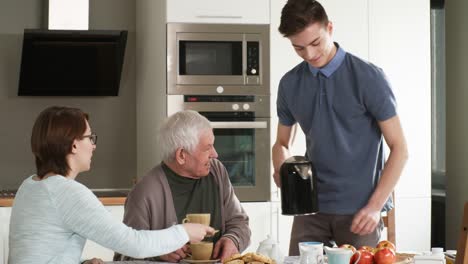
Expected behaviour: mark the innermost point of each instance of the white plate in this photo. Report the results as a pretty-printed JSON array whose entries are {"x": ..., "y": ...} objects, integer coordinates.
[{"x": 200, "y": 261}]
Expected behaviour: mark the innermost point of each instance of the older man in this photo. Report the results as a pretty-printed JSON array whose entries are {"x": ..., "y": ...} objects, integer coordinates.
[{"x": 189, "y": 180}]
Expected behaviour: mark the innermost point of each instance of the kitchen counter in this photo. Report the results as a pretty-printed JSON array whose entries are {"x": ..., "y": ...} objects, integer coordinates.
[{"x": 106, "y": 197}]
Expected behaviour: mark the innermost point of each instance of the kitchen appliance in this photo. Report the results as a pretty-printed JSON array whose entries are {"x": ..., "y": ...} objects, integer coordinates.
[
  {"x": 241, "y": 126},
  {"x": 71, "y": 62},
  {"x": 218, "y": 59},
  {"x": 299, "y": 195}
]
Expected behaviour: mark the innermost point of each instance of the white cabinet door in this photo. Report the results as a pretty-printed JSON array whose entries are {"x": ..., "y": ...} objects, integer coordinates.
[
  {"x": 5, "y": 213},
  {"x": 283, "y": 225},
  {"x": 400, "y": 45},
  {"x": 260, "y": 222},
  {"x": 93, "y": 250},
  {"x": 219, "y": 11},
  {"x": 350, "y": 25}
]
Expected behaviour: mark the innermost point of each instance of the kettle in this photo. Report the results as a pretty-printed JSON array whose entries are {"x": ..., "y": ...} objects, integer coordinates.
[
  {"x": 270, "y": 248},
  {"x": 299, "y": 195}
]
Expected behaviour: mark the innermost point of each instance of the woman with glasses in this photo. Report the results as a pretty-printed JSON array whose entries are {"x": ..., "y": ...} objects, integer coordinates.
[{"x": 53, "y": 215}]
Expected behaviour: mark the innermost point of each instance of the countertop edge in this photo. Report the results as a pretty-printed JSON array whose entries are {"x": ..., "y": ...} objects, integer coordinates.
[{"x": 8, "y": 202}]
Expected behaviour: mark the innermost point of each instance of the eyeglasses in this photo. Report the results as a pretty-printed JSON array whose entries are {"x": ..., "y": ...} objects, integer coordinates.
[{"x": 92, "y": 137}]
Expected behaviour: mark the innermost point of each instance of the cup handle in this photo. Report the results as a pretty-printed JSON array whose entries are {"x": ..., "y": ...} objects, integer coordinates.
[
  {"x": 319, "y": 259},
  {"x": 358, "y": 258},
  {"x": 185, "y": 220}
]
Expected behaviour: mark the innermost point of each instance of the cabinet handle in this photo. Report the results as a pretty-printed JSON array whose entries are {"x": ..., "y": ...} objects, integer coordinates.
[
  {"x": 218, "y": 16},
  {"x": 252, "y": 124}
]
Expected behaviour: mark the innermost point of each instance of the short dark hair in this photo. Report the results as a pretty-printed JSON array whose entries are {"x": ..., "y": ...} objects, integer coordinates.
[
  {"x": 52, "y": 138},
  {"x": 298, "y": 14}
]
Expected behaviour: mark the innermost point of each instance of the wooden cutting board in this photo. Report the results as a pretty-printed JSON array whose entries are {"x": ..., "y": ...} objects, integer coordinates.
[{"x": 403, "y": 258}]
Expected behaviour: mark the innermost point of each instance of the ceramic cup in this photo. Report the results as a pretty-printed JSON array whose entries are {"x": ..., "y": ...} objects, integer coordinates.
[
  {"x": 201, "y": 250},
  {"x": 341, "y": 255},
  {"x": 203, "y": 219},
  {"x": 311, "y": 253}
]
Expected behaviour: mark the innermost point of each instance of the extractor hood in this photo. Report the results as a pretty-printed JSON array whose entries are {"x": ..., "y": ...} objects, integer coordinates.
[{"x": 70, "y": 60}]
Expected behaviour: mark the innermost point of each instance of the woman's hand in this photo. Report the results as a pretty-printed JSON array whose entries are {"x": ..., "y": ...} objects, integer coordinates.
[{"x": 197, "y": 232}]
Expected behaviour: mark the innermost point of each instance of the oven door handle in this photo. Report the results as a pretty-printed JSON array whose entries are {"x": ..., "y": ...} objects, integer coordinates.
[{"x": 246, "y": 124}]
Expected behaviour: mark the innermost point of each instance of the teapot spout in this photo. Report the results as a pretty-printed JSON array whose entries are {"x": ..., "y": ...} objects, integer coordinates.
[{"x": 327, "y": 249}]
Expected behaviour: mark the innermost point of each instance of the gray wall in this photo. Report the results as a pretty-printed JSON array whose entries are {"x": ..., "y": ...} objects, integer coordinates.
[
  {"x": 112, "y": 118},
  {"x": 457, "y": 116}
]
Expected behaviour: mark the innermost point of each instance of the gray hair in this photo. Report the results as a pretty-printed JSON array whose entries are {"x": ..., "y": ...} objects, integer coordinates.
[{"x": 181, "y": 130}]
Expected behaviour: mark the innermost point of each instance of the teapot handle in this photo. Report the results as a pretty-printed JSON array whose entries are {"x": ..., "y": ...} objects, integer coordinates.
[{"x": 358, "y": 258}]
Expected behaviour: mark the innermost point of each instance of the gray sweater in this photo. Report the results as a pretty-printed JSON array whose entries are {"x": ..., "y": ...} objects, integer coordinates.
[{"x": 149, "y": 206}]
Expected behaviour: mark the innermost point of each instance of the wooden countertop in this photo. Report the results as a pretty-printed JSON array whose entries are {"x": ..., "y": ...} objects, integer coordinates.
[{"x": 8, "y": 202}]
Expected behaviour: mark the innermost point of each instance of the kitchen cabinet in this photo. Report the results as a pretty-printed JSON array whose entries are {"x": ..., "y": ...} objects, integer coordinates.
[
  {"x": 5, "y": 213},
  {"x": 219, "y": 11},
  {"x": 283, "y": 225},
  {"x": 259, "y": 222},
  {"x": 404, "y": 55}
]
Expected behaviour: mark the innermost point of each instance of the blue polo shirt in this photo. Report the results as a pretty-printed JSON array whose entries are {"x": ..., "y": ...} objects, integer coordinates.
[{"x": 338, "y": 107}]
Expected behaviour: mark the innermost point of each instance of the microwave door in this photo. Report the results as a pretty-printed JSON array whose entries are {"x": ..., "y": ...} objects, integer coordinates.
[{"x": 210, "y": 59}]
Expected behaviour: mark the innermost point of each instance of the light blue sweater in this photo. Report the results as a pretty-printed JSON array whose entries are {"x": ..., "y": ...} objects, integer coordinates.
[{"x": 51, "y": 220}]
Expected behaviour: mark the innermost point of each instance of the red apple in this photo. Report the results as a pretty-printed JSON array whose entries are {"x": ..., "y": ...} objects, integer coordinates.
[
  {"x": 386, "y": 244},
  {"x": 385, "y": 255},
  {"x": 348, "y": 246},
  {"x": 366, "y": 257},
  {"x": 368, "y": 248}
]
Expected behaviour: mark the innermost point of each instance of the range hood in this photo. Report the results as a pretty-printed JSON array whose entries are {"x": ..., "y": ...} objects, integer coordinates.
[{"x": 67, "y": 59}]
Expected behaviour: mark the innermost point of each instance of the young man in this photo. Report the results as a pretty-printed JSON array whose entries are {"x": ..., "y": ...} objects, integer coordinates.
[{"x": 344, "y": 106}]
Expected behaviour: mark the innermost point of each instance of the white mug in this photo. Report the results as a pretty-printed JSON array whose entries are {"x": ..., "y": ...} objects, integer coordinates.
[{"x": 311, "y": 252}]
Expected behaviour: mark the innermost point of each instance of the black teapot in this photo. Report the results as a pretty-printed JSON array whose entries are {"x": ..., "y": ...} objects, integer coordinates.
[{"x": 299, "y": 195}]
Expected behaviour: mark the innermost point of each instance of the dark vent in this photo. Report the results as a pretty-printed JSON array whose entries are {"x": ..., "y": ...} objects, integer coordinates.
[{"x": 71, "y": 62}]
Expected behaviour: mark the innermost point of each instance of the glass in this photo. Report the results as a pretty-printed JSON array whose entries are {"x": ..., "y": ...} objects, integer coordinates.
[
  {"x": 236, "y": 151},
  {"x": 92, "y": 137},
  {"x": 210, "y": 58}
]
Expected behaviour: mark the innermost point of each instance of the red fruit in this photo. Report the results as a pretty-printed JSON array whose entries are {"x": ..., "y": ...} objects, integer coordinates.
[
  {"x": 367, "y": 248},
  {"x": 366, "y": 257},
  {"x": 385, "y": 255},
  {"x": 348, "y": 246},
  {"x": 386, "y": 244}
]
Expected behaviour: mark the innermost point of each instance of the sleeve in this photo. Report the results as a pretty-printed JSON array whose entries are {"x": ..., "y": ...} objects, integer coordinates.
[
  {"x": 236, "y": 219},
  {"x": 85, "y": 215},
  {"x": 137, "y": 213},
  {"x": 285, "y": 116},
  {"x": 379, "y": 98}
]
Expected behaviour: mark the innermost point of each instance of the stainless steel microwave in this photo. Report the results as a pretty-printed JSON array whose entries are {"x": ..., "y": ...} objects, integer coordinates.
[{"x": 218, "y": 59}]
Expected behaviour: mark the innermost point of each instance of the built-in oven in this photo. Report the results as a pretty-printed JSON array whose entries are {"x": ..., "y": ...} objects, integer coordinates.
[
  {"x": 218, "y": 59},
  {"x": 241, "y": 125}
]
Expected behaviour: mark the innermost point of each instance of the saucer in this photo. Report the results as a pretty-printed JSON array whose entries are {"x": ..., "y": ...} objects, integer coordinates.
[{"x": 187, "y": 260}]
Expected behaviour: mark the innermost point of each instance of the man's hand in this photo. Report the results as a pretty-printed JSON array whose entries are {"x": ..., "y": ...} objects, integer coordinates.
[
  {"x": 94, "y": 261},
  {"x": 224, "y": 248},
  {"x": 276, "y": 177},
  {"x": 177, "y": 255},
  {"x": 365, "y": 221}
]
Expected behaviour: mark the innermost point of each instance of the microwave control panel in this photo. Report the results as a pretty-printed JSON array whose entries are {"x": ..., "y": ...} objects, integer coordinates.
[{"x": 253, "y": 58}]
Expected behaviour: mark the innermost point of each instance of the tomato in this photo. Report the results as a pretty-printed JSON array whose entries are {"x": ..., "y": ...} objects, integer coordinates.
[{"x": 385, "y": 255}]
